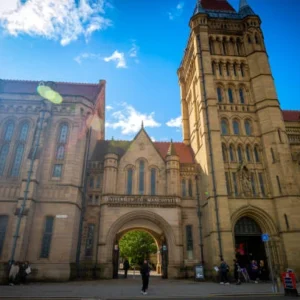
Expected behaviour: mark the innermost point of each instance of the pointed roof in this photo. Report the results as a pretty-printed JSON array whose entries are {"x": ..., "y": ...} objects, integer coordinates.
[
  {"x": 217, "y": 5},
  {"x": 291, "y": 115},
  {"x": 171, "y": 150},
  {"x": 245, "y": 9}
]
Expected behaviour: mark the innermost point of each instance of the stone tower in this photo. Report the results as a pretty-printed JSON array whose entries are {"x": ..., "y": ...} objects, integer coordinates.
[{"x": 233, "y": 121}]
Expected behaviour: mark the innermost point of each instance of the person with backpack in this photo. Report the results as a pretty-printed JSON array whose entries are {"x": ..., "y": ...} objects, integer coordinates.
[{"x": 224, "y": 269}]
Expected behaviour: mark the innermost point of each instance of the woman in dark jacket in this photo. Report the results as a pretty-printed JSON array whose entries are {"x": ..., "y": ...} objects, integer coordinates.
[{"x": 145, "y": 272}]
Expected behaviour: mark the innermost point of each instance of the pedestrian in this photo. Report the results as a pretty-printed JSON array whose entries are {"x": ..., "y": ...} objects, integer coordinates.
[
  {"x": 13, "y": 277},
  {"x": 25, "y": 270},
  {"x": 237, "y": 271},
  {"x": 254, "y": 271},
  {"x": 224, "y": 269},
  {"x": 145, "y": 272},
  {"x": 126, "y": 267},
  {"x": 262, "y": 271}
]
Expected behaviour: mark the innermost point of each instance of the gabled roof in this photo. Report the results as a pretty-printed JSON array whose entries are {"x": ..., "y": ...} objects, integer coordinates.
[
  {"x": 87, "y": 90},
  {"x": 102, "y": 148},
  {"x": 217, "y": 5},
  {"x": 291, "y": 115}
]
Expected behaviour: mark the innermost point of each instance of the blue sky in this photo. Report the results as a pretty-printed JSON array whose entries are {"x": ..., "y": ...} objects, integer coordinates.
[{"x": 136, "y": 46}]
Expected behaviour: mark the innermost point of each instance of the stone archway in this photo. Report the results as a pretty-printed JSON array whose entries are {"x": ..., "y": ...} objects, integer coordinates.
[
  {"x": 145, "y": 220},
  {"x": 266, "y": 225}
]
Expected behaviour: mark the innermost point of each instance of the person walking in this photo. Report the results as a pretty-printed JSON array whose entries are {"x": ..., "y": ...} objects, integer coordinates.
[
  {"x": 13, "y": 277},
  {"x": 145, "y": 272},
  {"x": 126, "y": 267},
  {"x": 254, "y": 271},
  {"x": 224, "y": 269},
  {"x": 25, "y": 270},
  {"x": 237, "y": 272}
]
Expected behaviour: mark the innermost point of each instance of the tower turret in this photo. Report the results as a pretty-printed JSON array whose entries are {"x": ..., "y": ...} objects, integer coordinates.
[
  {"x": 173, "y": 171},
  {"x": 110, "y": 173},
  {"x": 245, "y": 9}
]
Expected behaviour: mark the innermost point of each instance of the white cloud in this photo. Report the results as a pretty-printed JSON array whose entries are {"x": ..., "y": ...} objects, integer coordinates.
[
  {"x": 83, "y": 56},
  {"x": 177, "y": 11},
  {"x": 174, "y": 122},
  {"x": 118, "y": 57},
  {"x": 152, "y": 139},
  {"x": 129, "y": 120},
  {"x": 108, "y": 107},
  {"x": 134, "y": 50},
  {"x": 62, "y": 20}
]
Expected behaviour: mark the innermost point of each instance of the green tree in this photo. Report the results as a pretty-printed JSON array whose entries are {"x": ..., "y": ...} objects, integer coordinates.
[{"x": 136, "y": 246}]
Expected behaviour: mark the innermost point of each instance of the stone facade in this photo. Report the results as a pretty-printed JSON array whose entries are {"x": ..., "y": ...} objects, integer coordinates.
[{"x": 239, "y": 160}]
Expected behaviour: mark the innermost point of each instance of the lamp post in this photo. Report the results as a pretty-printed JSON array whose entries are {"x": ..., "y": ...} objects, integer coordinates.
[{"x": 36, "y": 142}]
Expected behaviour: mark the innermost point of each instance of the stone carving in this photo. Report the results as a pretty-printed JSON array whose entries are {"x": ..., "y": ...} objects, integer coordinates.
[{"x": 245, "y": 179}]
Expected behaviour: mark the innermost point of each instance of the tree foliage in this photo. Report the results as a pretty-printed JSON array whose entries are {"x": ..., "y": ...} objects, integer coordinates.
[{"x": 136, "y": 246}]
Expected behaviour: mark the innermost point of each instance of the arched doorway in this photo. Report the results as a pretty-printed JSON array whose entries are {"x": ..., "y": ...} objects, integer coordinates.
[{"x": 248, "y": 243}]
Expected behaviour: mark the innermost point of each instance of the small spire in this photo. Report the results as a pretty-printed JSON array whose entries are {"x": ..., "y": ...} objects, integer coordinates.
[
  {"x": 245, "y": 9},
  {"x": 243, "y": 3},
  {"x": 198, "y": 8},
  {"x": 142, "y": 123},
  {"x": 171, "y": 150}
]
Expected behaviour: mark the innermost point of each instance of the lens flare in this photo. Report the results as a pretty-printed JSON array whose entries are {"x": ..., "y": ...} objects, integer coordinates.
[{"x": 49, "y": 94}]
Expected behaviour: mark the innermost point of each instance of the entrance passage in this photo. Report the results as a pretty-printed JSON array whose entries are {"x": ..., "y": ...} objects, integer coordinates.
[{"x": 249, "y": 246}]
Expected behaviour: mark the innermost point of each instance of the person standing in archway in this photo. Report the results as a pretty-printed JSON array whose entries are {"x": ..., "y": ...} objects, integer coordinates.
[
  {"x": 145, "y": 272},
  {"x": 126, "y": 267}
]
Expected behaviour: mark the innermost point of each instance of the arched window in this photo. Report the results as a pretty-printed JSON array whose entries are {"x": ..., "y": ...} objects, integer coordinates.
[
  {"x": 219, "y": 92},
  {"x": 220, "y": 69},
  {"x": 246, "y": 226},
  {"x": 3, "y": 228},
  {"x": 7, "y": 137},
  {"x": 142, "y": 178},
  {"x": 230, "y": 95},
  {"x": 224, "y": 127},
  {"x": 240, "y": 153},
  {"x": 231, "y": 153},
  {"x": 183, "y": 188},
  {"x": 129, "y": 181},
  {"x": 153, "y": 181},
  {"x": 224, "y": 153},
  {"x": 236, "y": 127},
  {"x": 242, "y": 70},
  {"x": 60, "y": 150},
  {"x": 234, "y": 70},
  {"x": 242, "y": 99},
  {"x": 248, "y": 153},
  {"x": 18, "y": 158},
  {"x": 190, "y": 188},
  {"x": 227, "y": 69},
  {"x": 248, "y": 127},
  {"x": 9, "y": 130},
  {"x": 3, "y": 156},
  {"x": 256, "y": 154}
]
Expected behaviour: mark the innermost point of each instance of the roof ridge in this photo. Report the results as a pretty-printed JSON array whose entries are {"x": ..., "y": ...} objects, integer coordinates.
[
  {"x": 292, "y": 110},
  {"x": 67, "y": 82}
]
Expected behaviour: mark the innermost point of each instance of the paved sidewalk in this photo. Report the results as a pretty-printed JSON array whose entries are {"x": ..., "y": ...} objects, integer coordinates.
[{"x": 130, "y": 288}]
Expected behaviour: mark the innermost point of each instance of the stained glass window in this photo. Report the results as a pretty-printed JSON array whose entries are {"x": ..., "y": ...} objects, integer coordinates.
[
  {"x": 57, "y": 170},
  {"x": 18, "y": 160},
  {"x": 90, "y": 240},
  {"x": 153, "y": 181},
  {"x": 129, "y": 181},
  {"x": 230, "y": 95},
  {"x": 142, "y": 177},
  {"x": 3, "y": 227},
  {"x": 248, "y": 127},
  {"x": 9, "y": 131},
  {"x": 224, "y": 127},
  {"x": 60, "y": 153},
  {"x": 242, "y": 99},
  {"x": 247, "y": 226},
  {"x": 24, "y": 132},
  {"x": 3, "y": 156},
  {"x": 236, "y": 127},
  {"x": 63, "y": 134},
  {"x": 47, "y": 237}
]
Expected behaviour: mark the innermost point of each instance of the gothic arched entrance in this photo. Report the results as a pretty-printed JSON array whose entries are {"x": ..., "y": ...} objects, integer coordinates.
[{"x": 248, "y": 243}]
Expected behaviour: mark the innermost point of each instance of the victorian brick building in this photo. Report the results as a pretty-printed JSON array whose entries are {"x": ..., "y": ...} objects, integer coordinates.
[{"x": 235, "y": 175}]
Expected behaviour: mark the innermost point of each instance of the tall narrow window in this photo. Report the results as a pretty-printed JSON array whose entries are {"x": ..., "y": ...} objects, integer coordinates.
[
  {"x": 235, "y": 184},
  {"x": 227, "y": 69},
  {"x": 91, "y": 182},
  {"x": 7, "y": 137},
  {"x": 238, "y": 46},
  {"x": 227, "y": 179},
  {"x": 256, "y": 154},
  {"x": 3, "y": 157},
  {"x": 234, "y": 70},
  {"x": 129, "y": 181},
  {"x": 236, "y": 127},
  {"x": 248, "y": 127},
  {"x": 220, "y": 69},
  {"x": 261, "y": 183},
  {"x": 47, "y": 237},
  {"x": 211, "y": 46},
  {"x": 224, "y": 47},
  {"x": 153, "y": 181},
  {"x": 224, "y": 127},
  {"x": 10, "y": 126},
  {"x": 224, "y": 153},
  {"x": 219, "y": 92},
  {"x": 273, "y": 155},
  {"x": 230, "y": 95},
  {"x": 189, "y": 241},
  {"x": 98, "y": 183},
  {"x": 256, "y": 38},
  {"x": 279, "y": 185},
  {"x": 253, "y": 184},
  {"x": 249, "y": 39},
  {"x": 240, "y": 153},
  {"x": 248, "y": 153},
  {"x": 3, "y": 228},
  {"x": 231, "y": 153},
  {"x": 242, "y": 70},
  {"x": 190, "y": 188},
  {"x": 142, "y": 177},
  {"x": 60, "y": 150},
  {"x": 89, "y": 245},
  {"x": 242, "y": 98},
  {"x": 183, "y": 188}
]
